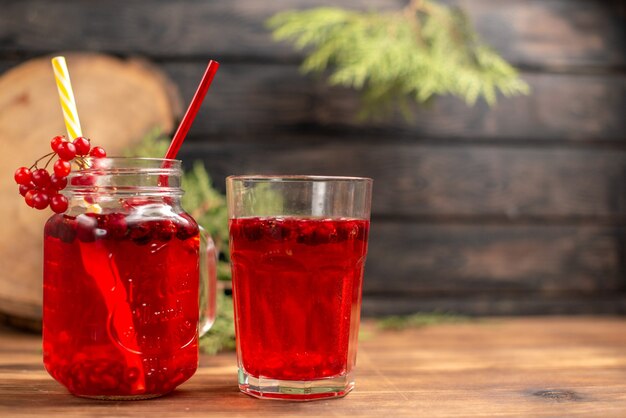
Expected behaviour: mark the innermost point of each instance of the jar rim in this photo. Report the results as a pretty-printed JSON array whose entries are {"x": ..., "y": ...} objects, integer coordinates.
[
  {"x": 118, "y": 157},
  {"x": 144, "y": 160},
  {"x": 124, "y": 164},
  {"x": 127, "y": 175}
]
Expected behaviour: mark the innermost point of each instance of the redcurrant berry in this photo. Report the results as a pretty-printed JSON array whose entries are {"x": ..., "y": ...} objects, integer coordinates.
[
  {"x": 57, "y": 182},
  {"x": 86, "y": 225},
  {"x": 140, "y": 232},
  {"x": 40, "y": 200},
  {"x": 83, "y": 180},
  {"x": 90, "y": 198},
  {"x": 22, "y": 175},
  {"x": 115, "y": 225},
  {"x": 165, "y": 230},
  {"x": 187, "y": 227},
  {"x": 24, "y": 188},
  {"x": 49, "y": 190},
  {"x": 29, "y": 198},
  {"x": 56, "y": 141},
  {"x": 58, "y": 203},
  {"x": 41, "y": 177},
  {"x": 40, "y": 189},
  {"x": 62, "y": 168},
  {"x": 82, "y": 145},
  {"x": 66, "y": 151},
  {"x": 97, "y": 152}
]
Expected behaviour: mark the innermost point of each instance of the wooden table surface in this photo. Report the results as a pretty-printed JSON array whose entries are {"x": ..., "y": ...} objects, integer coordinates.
[{"x": 502, "y": 367}]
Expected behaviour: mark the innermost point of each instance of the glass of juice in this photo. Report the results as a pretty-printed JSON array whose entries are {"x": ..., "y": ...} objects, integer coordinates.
[
  {"x": 124, "y": 270},
  {"x": 298, "y": 246}
]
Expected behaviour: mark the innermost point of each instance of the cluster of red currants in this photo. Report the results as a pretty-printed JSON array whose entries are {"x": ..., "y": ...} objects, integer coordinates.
[{"x": 41, "y": 189}]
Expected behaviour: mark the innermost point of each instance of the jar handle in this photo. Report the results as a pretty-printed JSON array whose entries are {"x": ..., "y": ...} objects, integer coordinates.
[{"x": 208, "y": 282}]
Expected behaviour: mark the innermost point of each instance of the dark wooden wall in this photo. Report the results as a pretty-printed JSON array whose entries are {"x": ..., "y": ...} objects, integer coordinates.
[{"x": 519, "y": 208}]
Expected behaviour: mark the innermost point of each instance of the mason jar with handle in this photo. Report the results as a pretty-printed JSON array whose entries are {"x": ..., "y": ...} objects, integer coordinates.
[{"x": 125, "y": 270}]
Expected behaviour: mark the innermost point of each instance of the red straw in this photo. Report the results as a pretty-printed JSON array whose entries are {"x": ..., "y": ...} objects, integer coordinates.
[{"x": 192, "y": 110}]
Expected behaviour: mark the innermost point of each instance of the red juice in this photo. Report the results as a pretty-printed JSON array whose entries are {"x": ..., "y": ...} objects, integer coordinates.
[
  {"x": 297, "y": 292},
  {"x": 120, "y": 303}
]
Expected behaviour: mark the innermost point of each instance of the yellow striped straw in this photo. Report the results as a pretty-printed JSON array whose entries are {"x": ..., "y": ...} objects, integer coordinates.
[{"x": 66, "y": 96}]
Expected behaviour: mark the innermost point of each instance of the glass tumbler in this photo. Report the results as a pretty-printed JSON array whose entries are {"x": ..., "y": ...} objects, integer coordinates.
[{"x": 298, "y": 246}]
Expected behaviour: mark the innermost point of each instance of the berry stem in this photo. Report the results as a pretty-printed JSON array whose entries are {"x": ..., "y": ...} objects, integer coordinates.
[
  {"x": 49, "y": 160},
  {"x": 51, "y": 155}
]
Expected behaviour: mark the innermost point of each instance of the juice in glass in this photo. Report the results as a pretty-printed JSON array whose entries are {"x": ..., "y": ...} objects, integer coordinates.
[
  {"x": 298, "y": 292},
  {"x": 112, "y": 326}
]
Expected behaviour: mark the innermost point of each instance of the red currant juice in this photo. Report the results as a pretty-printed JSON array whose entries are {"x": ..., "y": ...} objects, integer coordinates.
[
  {"x": 297, "y": 292},
  {"x": 120, "y": 303}
]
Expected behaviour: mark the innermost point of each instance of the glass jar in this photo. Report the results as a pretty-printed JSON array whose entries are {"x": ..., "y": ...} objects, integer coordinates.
[{"x": 124, "y": 270}]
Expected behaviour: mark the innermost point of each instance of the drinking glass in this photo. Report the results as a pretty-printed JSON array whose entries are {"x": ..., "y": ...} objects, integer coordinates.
[
  {"x": 298, "y": 247},
  {"x": 124, "y": 271}
]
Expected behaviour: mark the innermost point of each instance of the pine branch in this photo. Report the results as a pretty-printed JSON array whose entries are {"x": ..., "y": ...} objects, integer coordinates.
[{"x": 423, "y": 51}]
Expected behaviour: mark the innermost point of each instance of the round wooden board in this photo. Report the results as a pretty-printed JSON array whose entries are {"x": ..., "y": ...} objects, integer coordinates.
[{"x": 119, "y": 102}]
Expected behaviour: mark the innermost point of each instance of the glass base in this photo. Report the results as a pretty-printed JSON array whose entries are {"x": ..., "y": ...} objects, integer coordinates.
[
  {"x": 295, "y": 390},
  {"x": 122, "y": 398}
]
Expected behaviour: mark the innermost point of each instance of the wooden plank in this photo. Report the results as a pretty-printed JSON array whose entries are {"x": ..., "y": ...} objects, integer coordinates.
[
  {"x": 493, "y": 304},
  {"x": 531, "y": 367},
  {"x": 533, "y": 32},
  {"x": 554, "y": 33},
  {"x": 472, "y": 260},
  {"x": 443, "y": 182},
  {"x": 249, "y": 101}
]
